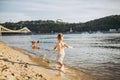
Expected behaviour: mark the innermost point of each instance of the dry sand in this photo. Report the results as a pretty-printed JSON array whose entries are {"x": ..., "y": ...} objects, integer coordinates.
[{"x": 16, "y": 64}]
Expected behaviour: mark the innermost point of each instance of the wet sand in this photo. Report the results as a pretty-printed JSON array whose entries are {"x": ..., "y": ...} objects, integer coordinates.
[{"x": 17, "y": 64}]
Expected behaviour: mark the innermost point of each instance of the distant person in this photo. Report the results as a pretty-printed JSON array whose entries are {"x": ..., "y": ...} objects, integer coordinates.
[
  {"x": 35, "y": 44},
  {"x": 60, "y": 46}
]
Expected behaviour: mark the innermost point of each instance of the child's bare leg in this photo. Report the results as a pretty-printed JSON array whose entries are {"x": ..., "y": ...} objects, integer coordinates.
[{"x": 61, "y": 66}]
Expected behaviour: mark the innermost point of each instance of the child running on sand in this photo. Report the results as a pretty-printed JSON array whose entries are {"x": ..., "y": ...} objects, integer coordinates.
[{"x": 60, "y": 45}]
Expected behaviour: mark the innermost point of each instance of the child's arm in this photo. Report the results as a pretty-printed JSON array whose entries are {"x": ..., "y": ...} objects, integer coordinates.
[
  {"x": 55, "y": 48},
  {"x": 66, "y": 45}
]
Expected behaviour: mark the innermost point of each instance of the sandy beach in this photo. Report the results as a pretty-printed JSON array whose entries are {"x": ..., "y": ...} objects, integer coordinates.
[{"x": 17, "y": 64}]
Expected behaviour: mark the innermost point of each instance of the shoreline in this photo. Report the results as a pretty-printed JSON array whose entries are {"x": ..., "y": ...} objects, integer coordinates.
[{"x": 17, "y": 64}]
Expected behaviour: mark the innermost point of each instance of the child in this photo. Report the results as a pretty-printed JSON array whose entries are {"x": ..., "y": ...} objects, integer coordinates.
[
  {"x": 60, "y": 45},
  {"x": 35, "y": 44}
]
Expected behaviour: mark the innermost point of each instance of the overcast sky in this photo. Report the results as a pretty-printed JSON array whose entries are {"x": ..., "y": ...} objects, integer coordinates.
[{"x": 66, "y": 10}]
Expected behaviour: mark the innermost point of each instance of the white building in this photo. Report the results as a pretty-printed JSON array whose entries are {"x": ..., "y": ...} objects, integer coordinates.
[
  {"x": 112, "y": 30},
  {"x": 71, "y": 30}
]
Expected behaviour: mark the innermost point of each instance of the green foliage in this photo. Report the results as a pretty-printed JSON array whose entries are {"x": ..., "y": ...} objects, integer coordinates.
[{"x": 50, "y": 26}]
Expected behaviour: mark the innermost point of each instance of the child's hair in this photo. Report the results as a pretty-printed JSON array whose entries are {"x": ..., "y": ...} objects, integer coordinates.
[
  {"x": 38, "y": 41},
  {"x": 60, "y": 35}
]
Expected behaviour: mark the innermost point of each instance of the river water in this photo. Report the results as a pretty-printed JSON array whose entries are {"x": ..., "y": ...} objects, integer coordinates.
[{"x": 98, "y": 53}]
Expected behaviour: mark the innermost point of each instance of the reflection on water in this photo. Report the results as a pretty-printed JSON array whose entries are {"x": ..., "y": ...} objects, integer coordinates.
[{"x": 96, "y": 53}]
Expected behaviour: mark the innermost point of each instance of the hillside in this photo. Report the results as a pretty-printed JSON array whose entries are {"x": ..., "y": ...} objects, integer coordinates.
[
  {"x": 50, "y": 26},
  {"x": 103, "y": 24}
]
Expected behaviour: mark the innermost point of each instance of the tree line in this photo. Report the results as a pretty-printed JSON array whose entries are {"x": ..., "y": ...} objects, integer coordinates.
[{"x": 50, "y": 26}]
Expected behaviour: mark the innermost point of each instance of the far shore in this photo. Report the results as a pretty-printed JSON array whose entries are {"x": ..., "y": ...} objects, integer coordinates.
[
  {"x": 33, "y": 33},
  {"x": 17, "y": 64}
]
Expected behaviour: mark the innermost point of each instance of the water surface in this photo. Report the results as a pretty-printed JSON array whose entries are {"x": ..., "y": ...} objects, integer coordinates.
[{"x": 98, "y": 54}]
